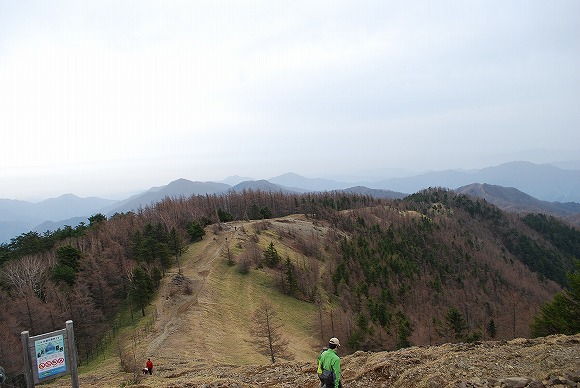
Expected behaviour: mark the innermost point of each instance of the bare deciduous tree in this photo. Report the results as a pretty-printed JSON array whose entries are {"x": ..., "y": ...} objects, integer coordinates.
[
  {"x": 244, "y": 263},
  {"x": 27, "y": 273},
  {"x": 266, "y": 333},
  {"x": 227, "y": 254}
]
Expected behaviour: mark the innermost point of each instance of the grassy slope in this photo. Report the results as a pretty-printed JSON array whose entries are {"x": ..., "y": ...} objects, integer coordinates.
[{"x": 213, "y": 324}]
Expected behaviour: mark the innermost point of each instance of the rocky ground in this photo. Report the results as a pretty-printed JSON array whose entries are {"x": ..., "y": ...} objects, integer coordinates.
[
  {"x": 544, "y": 362},
  {"x": 517, "y": 363}
]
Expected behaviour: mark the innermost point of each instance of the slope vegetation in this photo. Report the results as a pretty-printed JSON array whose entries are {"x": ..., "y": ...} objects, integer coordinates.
[
  {"x": 205, "y": 310},
  {"x": 433, "y": 268},
  {"x": 513, "y": 200},
  {"x": 201, "y": 320}
]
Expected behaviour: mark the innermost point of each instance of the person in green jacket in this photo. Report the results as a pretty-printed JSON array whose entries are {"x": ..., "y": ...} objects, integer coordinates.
[{"x": 329, "y": 365}]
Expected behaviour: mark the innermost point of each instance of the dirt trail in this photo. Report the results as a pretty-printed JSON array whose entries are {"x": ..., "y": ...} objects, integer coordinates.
[
  {"x": 180, "y": 312},
  {"x": 190, "y": 328}
]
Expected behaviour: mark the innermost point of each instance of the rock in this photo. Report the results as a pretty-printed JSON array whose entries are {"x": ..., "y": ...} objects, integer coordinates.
[
  {"x": 553, "y": 381},
  {"x": 515, "y": 382},
  {"x": 536, "y": 384},
  {"x": 574, "y": 376}
]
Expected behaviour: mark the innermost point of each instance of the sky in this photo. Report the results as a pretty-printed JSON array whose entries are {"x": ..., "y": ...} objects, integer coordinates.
[{"x": 106, "y": 98}]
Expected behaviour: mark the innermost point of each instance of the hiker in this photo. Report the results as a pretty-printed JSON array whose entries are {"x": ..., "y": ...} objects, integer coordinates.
[
  {"x": 149, "y": 366},
  {"x": 329, "y": 366}
]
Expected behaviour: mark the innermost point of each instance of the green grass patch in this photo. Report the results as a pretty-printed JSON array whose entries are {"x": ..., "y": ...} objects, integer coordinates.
[{"x": 248, "y": 291}]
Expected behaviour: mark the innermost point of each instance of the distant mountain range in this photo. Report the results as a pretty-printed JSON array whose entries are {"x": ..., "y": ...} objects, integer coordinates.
[
  {"x": 17, "y": 217},
  {"x": 543, "y": 181},
  {"x": 514, "y": 186},
  {"x": 513, "y": 200}
]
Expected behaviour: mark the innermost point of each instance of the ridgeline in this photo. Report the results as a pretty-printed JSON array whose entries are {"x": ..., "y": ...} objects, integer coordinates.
[{"x": 416, "y": 274}]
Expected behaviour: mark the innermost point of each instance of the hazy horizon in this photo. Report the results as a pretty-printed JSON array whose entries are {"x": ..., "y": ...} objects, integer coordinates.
[
  {"x": 367, "y": 177},
  {"x": 101, "y": 98}
]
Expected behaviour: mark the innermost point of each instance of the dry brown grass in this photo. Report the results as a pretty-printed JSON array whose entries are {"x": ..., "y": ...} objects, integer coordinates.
[
  {"x": 200, "y": 334},
  {"x": 213, "y": 323}
]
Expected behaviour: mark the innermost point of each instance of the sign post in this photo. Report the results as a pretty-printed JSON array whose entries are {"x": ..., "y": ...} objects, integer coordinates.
[{"x": 50, "y": 355}]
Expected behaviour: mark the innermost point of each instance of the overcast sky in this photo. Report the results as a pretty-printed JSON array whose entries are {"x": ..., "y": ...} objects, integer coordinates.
[{"x": 103, "y": 98}]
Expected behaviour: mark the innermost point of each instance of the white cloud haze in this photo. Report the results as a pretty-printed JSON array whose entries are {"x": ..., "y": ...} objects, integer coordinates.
[{"x": 104, "y": 97}]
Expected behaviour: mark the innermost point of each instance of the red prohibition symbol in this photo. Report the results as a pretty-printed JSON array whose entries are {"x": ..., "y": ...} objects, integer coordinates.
[{"x": 50, "y": 363}]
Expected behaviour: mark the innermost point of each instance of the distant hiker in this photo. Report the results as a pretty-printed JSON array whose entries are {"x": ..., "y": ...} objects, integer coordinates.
[
  {"x": 149, "y": 366},
  {"x": 329, "y": 365}
]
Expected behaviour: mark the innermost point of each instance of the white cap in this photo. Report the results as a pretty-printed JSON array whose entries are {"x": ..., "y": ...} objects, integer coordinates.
[{"x": 334, "y": 341}]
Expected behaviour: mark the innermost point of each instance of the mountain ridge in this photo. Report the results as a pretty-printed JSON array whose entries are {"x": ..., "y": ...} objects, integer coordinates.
[
  {"x": 192, "y": 345},
  {"x": 21, "y": 216},
  {"x": 378, "y": 274},
  {"x": 542, "y": 181}
]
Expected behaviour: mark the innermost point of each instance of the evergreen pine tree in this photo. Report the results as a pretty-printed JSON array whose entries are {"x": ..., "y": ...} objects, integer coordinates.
[
  {"x": 456, "y": 323},
  {"x": 271, "y": 257},
  {"x": 141, "y": 288},
  {"x": 290, "y": 277},
  {"x": 491, "y": 328},
  {"x": 562, "y": 315}
]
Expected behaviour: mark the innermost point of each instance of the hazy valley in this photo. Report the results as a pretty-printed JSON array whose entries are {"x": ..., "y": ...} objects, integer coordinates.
[{"x": 532, "y": 188}]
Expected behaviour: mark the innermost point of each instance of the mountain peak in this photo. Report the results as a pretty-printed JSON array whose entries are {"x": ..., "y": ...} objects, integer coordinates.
[
  {"x": 235, "y": 179},
  {"x": 289, "y": 175}
]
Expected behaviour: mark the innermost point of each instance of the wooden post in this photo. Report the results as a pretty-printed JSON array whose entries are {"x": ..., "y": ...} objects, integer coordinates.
[
  {"x": 25, "y": 337},
  {"x": 72, "y": 354}
]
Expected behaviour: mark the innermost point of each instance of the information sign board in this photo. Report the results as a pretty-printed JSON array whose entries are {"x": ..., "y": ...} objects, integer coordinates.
[{"x": 50, "y": 357}]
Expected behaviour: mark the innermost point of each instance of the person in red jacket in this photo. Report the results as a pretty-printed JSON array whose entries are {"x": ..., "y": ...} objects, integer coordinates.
[{"x": 149, "y": 366}]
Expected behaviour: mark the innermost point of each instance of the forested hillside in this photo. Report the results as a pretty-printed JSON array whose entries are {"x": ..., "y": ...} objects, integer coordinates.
[{"x": 433, "y": 267}]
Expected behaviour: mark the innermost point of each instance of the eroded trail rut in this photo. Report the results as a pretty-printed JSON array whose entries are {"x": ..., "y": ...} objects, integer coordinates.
[{"x": 183, "y": 301}]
